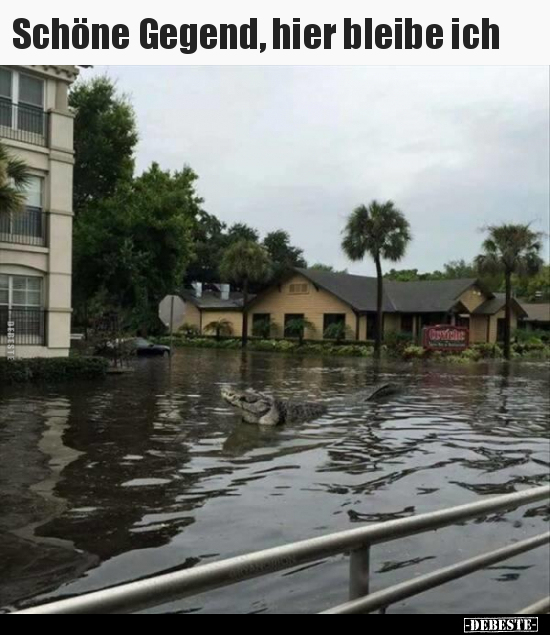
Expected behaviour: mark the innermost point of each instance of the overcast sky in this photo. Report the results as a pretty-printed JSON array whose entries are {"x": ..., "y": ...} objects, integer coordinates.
[{"x": 298, "y": 148}]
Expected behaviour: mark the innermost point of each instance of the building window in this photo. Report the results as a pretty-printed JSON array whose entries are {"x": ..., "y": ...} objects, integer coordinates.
[
  {"x": 6, "y": 97},
  {"x": 22, "y": 101},
  {"x": 372, "y": 326},
  {"x": 28, "y": 225},
  {"x": 299, "y": 288},
  {"x": 407, "y": 323},
  {"x": 21, "y": 303},
  {"x": 334, "y": 326},
  {"x": 293, "y": 327},
  {"x": 20, "y": 292},
  {"x": 501, "y": 329},
  {"x": 261, "y": 325}
]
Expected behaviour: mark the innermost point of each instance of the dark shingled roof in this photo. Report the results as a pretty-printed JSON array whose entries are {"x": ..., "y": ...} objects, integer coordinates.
[
  {"x": 423, "y": 296},
  {"x": 537, "y": 312},
  {"x": 496, "y": 304},
  {"x": 427, "y": 296},
  {"x": 357, "y": 291},
  {"x": 211, "y": 300}
]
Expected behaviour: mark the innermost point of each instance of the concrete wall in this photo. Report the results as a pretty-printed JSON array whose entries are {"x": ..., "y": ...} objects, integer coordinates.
[{"x": 55, "y": 165}]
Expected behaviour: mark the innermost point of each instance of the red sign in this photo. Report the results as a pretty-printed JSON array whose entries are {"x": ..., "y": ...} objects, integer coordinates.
[{"x": 445, "y": 337}]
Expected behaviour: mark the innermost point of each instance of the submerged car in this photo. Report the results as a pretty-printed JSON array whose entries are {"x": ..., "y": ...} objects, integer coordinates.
[{"x": 145, "y": 347}]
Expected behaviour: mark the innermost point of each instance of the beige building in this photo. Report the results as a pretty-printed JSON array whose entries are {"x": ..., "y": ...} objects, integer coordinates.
[
  {"x": 36, "y": 125},
  {"x": 324, "y": 299}
]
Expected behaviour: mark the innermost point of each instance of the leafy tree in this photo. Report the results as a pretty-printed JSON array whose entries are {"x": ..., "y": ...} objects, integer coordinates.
[
  {"x": 283, "y": 254},
  {"x": 135, "y": 246},
  {"x": 319, "y": 266},
  {"x": 105, "y": 138},
  {"x": 240, "y": 231}
]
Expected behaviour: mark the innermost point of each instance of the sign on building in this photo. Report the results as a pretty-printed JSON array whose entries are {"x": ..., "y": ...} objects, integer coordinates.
[{"x": 445, "y": 337}]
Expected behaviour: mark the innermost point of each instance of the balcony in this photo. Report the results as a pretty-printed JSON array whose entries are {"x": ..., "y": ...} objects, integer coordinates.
[
  {"x": 23, "y": 123},
  {"x": 27, "y": 227},
  {"x": 22, "y": 327}
]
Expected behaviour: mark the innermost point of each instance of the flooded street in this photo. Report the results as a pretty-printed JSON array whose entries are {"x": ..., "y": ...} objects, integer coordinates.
[{"x": 108, "y": 482}]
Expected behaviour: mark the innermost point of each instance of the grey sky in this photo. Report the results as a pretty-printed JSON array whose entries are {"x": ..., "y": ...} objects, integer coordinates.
[{"x": 298, "y": 148}]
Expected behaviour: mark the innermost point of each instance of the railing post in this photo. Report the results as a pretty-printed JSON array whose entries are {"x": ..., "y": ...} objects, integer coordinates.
[{"x": 359, "y": 573}]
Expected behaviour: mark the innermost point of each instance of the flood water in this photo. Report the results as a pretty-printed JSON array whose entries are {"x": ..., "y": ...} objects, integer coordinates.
[{"x": 112, "y": 481}]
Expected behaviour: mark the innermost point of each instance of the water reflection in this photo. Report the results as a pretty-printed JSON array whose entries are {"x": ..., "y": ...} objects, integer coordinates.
[{"x": 152, "y": 472}]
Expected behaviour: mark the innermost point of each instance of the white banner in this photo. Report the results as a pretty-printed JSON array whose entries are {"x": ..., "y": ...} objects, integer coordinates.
[{"x": 241, "y": 32}]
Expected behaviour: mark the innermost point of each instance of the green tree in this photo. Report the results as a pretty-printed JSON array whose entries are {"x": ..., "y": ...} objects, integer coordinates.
[
  {"x": 319, "y": 266},
  {"x": 283, "y": 254},
  {"x": 382, "y": 232},
  {"x": 460, "y": 269},
  {"x": 14, "y": 178},
  {"x": 533, "y": 288},
  {"x": 209, "y": 242},
  {"x": 510, "y": 249},
  {"x": 105, "y": 137},
  {"x": 243, "y": 263},
  {"x": 136, "y": 245},
  {"x": 240, "y": 231}
]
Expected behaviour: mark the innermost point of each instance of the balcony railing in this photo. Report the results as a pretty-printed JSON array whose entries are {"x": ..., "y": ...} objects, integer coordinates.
[
  {"x": 23, "y": 123},
  {"x": 22, "y": 327},
  {"x": 27, "y": 227}
]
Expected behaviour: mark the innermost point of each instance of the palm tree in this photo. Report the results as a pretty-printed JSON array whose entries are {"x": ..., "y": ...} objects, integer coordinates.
[
  {"x": 220, "y": 328},
  {"x": 510, "y": 249},
  {"x": 297, "y": 327},
  {"x": 381, "y": 231},
  {"x": 338, "y": 332},
  {"x": 14, "y": 178},
  {"x": 243, "y": 263}
]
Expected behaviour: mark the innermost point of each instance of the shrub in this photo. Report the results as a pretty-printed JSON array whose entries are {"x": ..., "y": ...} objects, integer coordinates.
[
  {"x": 52, "y": 370},
  {"x": 398, "y": 342},
  {"x": 488, "y": 351},
  {"x": 414, "y": 352}
]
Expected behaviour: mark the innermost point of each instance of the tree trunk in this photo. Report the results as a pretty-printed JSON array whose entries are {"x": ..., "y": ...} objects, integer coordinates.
[
  {"x": 245, "y": 313},
  {"x": 379, "y": 314},
  {"x": 507, "y": 315}
]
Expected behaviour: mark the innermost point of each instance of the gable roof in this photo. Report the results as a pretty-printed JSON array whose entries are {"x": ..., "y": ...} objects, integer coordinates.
[
  {"x": 496, "y": 304},
  {"x": 357, "y": 291},
  {"x": 428, "y": 296},
  {"x": 422, "y": 296}
]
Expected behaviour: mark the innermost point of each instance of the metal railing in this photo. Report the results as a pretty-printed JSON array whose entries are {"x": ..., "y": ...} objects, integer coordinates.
[
  {"x": 26, "y": 227},
  {"x": 27, "y": 327},
  {"x": 137, "y": 596},
  {"x": 23, "y": 123},
  {"x": 542, "y": 606}
]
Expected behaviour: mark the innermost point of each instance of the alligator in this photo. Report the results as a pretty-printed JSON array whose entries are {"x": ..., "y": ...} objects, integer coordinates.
[{"x": 265, "y": 410}]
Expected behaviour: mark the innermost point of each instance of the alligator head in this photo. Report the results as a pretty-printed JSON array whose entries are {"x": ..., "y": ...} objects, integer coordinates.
[
  {"x": 255, "y": 407},
  {"x": 265, "y": 410}
]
